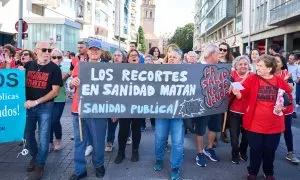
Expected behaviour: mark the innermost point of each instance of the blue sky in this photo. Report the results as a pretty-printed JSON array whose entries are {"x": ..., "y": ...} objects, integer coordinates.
[{"x": 171, "y": 14}]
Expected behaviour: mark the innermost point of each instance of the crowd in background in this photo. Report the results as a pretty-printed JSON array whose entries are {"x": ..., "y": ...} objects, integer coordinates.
[{"x": 252, "y": 112}]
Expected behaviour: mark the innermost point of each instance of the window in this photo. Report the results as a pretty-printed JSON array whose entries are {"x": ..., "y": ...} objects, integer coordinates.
[
  {"x": 239, "y": 23},
  {"x": 239, "y": 6},
  {"x": 150, "y": 14},
  {"x": 150, "y": 45}
]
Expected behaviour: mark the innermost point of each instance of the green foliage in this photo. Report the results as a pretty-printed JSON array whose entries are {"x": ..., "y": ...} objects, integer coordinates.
[
  {"x": 142, "y": 40},
  {"x": 183, "y": 37}
]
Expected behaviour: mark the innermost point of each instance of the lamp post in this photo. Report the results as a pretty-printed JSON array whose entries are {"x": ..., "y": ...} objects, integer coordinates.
[
  {"x": 20, "y": 27},
  {"x": 119, "y": 24}
]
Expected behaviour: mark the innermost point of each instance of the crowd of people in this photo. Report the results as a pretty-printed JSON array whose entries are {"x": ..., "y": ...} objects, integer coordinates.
[{"x": 253, "y": 112}]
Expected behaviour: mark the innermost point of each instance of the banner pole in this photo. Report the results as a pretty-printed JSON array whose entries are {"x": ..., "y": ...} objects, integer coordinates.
[
  {"x": 79, "y": 120},
  {"x": 224, "y": 122}
]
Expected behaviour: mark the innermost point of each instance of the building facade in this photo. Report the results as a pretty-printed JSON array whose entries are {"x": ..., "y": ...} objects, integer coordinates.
[
  {"x": 147, "y": 20},
  {"x": 273, "y": 21},
  {"x": 218, "y": 21},
  {"x": 245, "y": 25},
  {"x": 64, "y": 22}
]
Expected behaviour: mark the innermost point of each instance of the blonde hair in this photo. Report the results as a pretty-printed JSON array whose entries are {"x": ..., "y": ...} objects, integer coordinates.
[
  {"x": 57, "y": 50},
  {"x": 170, "y": 46}
]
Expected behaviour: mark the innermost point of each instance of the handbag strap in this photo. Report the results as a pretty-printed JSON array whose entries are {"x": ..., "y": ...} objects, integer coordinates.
[{"x": 263, "y": 79}]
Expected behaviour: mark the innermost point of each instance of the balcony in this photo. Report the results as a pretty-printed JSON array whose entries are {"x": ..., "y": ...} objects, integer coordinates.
[
  {"x": 45, "y": 2},
  {"x": 285, "y": 13}
]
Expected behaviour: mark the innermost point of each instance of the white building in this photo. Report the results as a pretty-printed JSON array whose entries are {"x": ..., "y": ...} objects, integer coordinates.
[{"x": 52, "y": 20}]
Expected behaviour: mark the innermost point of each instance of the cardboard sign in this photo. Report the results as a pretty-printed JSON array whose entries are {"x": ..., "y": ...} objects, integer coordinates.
[{"x": 157, "y": 91}]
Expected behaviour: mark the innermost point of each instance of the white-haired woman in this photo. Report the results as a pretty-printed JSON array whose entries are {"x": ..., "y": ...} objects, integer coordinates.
[
  {"x": 191, "y": 57},
  {"x": 59, "y": 103},
  {"x": 237, "y": 107}
]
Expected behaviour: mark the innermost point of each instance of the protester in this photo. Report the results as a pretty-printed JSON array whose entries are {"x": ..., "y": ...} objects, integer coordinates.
[
  {"x": 106, "y": 56},
  {"x": 8, "y": 54},
  {"x": 72, "y": 55},
  {"x": 281, "y": 71},
  {"x": 254, "y": 55},
  {"x": 95, "y": 126},
  {"x": 274, "y": 49},
  {"x": 213, "y": 122},
  {"x": 26, "y": 55},
  {"x": 176, "y": 129},
  {"x": 154, "y": 51},
  {"x": 82, "y": 54},
  {"x": 119, "y": 57},
  {"x": 125, "y": 124},
  {"x": 169, "y": 49},
  {"x": 43, "y": 80},
  {"x": 149, "y": 59},
  {"x": 133, "y": 46},
  {"x": 191, "y": 57},
  {"x": 263, "y": 119},
  {"x": 225, "y": 56},
  {"x": 294, "y": 70},
  {"x": 67, "y": 55},
  {"x": 59, "y": 103},
  {"x": 237, "y": 108}
]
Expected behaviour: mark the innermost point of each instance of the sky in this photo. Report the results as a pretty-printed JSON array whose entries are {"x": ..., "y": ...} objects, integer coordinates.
[{"x": 171, "y": 14}]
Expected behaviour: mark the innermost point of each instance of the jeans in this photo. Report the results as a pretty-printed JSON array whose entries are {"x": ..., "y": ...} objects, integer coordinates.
[
  {"x": 40, "y": 114},
  {"x": 235, "y": 128},
  {"x": 58, "y": 108},
  {"x": 111, "y": 131},
  {"x": 176, "y": 129},
  {"x": 97, "y": 129},
  {"x": 288, "y": 135},
  {"x": 262, "y": 149},
  {"x": 297, "y": 94},
  {"x": 124, "y": 129}
]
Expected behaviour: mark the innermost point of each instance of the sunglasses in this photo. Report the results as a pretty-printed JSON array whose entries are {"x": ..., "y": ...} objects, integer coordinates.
[
  {"x": 224, "y": 50},
  {"x": 45, "y": 49},
  {"x": 58, "y": 57},
  {"x": 24, "y": 54}
]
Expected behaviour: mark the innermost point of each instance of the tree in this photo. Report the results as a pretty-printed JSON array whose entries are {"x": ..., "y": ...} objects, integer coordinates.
[
  {"x": 142, "y": 40},
  {"x": 183, "y": 37}
]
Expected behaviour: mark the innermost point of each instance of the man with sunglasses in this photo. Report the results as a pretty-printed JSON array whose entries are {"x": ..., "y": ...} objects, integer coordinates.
[
  {"x": 43, "y": 80},
  {"x": 93, "y": 127}
]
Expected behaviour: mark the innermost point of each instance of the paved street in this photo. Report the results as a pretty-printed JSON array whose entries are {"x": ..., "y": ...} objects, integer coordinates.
[{"x": 60, "y": 164}]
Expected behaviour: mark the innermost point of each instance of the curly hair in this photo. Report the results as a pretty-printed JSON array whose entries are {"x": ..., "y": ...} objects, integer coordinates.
[{"x": 11, "y": 48}]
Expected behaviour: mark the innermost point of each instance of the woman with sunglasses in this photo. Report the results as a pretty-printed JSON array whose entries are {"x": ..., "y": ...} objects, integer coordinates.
[
  {"x": 25, "y": 56},
  {"x": 59, "y": 103},
  {"x": 125, "y": 124},
  {"x": 225, "y": 56}
]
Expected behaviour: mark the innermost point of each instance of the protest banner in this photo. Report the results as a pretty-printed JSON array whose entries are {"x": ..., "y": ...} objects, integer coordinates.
[
  {"x": 12, "y": 110},
  {"x": 158, "y": 91}
]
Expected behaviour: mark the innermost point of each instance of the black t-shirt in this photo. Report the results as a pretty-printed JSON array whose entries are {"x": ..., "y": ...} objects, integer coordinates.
[{"x": 39, "y": 79}]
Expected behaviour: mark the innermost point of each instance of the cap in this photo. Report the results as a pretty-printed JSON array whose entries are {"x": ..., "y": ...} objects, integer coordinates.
[{"x": 94, "y": 43}]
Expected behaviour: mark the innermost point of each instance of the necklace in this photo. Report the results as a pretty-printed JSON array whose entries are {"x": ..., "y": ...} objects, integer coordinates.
[{"x": 39, "y": 67}]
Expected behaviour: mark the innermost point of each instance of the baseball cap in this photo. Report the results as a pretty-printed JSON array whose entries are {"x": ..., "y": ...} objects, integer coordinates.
[{"x": 94, "y": 43}]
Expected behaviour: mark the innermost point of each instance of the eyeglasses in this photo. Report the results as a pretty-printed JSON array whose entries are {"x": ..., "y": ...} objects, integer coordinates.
[
  {"x": 45, "y": 49},
  {"x": 58, "y": 57},
  {"x": 24, "y": 54},
  {"x": 224, "y": 50},
  {"x": 133, "y": 55}
]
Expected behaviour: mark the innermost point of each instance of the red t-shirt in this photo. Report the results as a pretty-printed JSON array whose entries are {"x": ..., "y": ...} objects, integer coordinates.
[
  {"x": 12, "y": 64},
  {"x": 75, "y": 99},
  {"x": 264, "y": 120},
  {"x": 238, "y": 105},
  {"x": 290, "y": 109}
]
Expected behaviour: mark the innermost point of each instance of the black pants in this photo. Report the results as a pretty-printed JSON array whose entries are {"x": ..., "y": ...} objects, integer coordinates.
[
  {"x": 235, "y": 128},
  {"x": 262, "y": 149},
  {"x": 124, "y": 127},
  {"x": 57, "y": 111}
]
